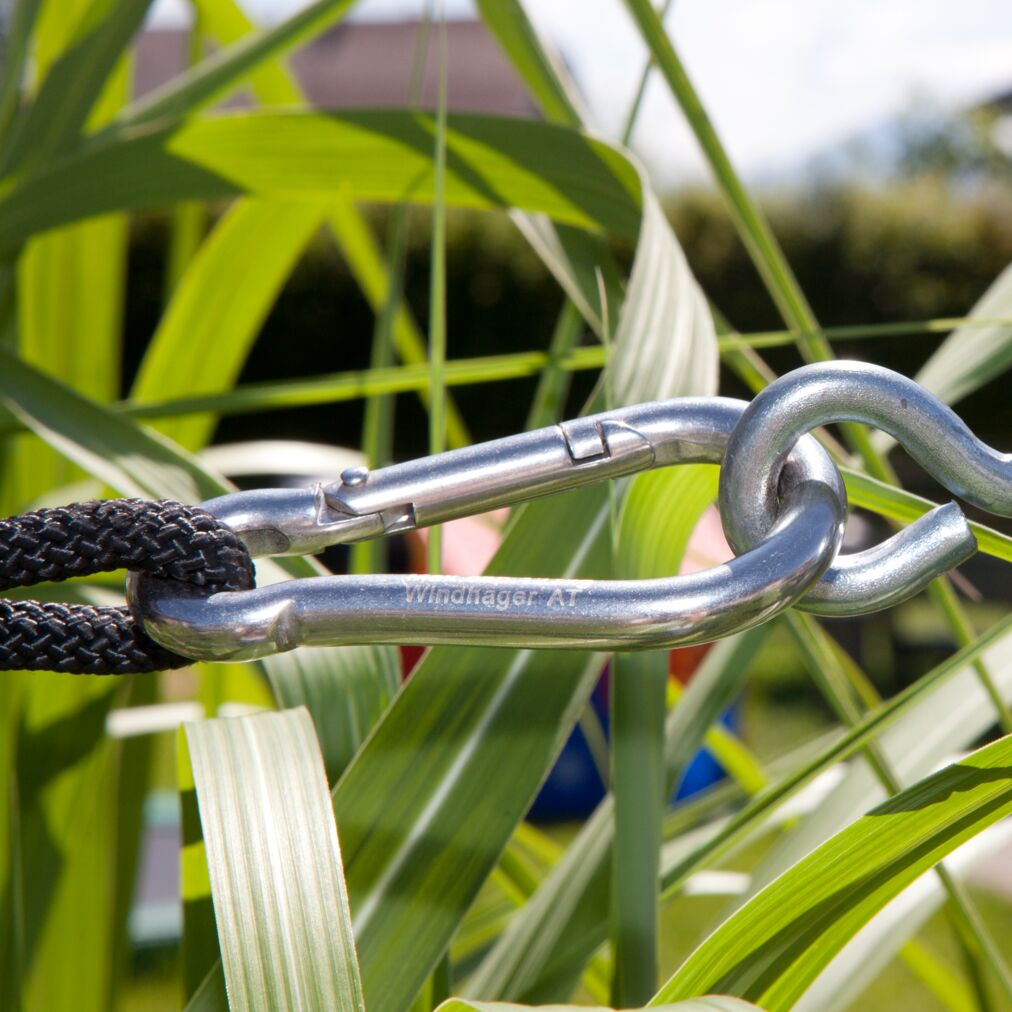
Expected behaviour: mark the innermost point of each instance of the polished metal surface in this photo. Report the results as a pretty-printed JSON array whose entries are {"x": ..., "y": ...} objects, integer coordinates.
[
  {"x": 499, "y": 611},
  {"x": 930, "y": 431},
  {"x": 782, "y": 501}
]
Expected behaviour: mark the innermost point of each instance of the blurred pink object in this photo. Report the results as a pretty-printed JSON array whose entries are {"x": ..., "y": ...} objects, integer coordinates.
[
  {"x": 470, "y": 543},
  {"x": 707, "y": 546}
]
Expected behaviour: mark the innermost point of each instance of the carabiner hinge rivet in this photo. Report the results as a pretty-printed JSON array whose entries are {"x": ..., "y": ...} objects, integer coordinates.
[{"x": 354, "y": 476}]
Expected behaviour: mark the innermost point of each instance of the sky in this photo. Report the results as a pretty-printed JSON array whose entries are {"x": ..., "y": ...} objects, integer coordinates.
[{"x": 783, "y": 80}]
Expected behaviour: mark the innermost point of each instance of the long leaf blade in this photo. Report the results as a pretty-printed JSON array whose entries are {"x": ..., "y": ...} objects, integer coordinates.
[
  {"x": 376, "y": 155},
  {"x": 206, "y": 333},
  {"x": 275, "y": 863},
  {"x": 773, "y": 948}
]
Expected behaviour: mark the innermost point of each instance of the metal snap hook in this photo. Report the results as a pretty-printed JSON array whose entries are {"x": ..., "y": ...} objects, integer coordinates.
[
  {"x": 929, "y": 430},
  {"x": 499, "y": 611}
]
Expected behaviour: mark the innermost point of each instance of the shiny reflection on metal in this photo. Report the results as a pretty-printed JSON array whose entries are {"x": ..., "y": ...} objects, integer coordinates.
[
  {"x": 930, "y": 431},
  {"x": 499, "y": 611}
]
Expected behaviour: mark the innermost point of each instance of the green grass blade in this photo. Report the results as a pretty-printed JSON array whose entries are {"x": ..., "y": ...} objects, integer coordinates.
[
  {"x": 710, "y": 1003},
  {"x": 273, "y": 84},
  {"x": 752, "y": 226},
  {"x": 380, "y": 409},
  {"x": 12, "y": 943},
  {"x": 130, "y": 458},
  {"x": 437, "y": 295},
  {"x": 186, "y": 232},
  {"x": 641, "y": 89},
  {"x": 210, "y": 995},
  {"x": 665, "y": 320},
  {"x": 973, "y": 354},
  {"x": 427, "y": 805},
  {"x": 775, "y": 946},
  {"x": 64, "y": 836},
  {"x": 898, "y": 504},
  {"x": 666, "y": 314},
  {"x": 944, "y": 982},
  {"x": 73, "y": 81},
  {"x": 829, "y": 671},
  {"x": 215, "y": 77},
  {"x": 381, "y": 155},
  {"x": 976, "y": 352},
  {"x": 637, "y": 778},
  {"x": 190, "y": 217},
  {"x": 270, "y": 80},
  {"x": 199, "y": 954},
  {"x": 581, "y": 264},
  {"x": 279, "y": 899},
  {"x": 15, "y": 58},
  {"x": 75, "y": 337},
  {"x": 892, "y": 935},
  {"x": 133, "y": 782},
  {"x": 567, "y": 919},
  {"x": 737, "y": 760},
  {"x": 542, "y": 75},
  {"x": 553, "y": 386},
  {"x": 867, "y": 331},
  {"x": 658, "y": 516},
  {"x": 377, "y": 280},
  {"x": 346, "y": 386},
  {"x": 910, "y": 711},
  {"x": 345, "y": 689},
  {"x": 205, "y": 336}
]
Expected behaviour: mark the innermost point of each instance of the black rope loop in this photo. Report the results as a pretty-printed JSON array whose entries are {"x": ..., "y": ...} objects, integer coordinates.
[{"x": 159, "y": 538}]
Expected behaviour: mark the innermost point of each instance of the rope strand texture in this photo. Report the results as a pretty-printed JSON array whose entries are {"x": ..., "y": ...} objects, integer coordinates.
[{"x": 160, "y": 538}]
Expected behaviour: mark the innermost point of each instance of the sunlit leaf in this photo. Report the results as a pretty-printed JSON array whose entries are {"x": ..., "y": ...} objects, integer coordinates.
[
  {"x": 97, "y": 37},
  {"x": 973, "y": 354},
  {"x": 274, "y": 863},
  {"x": 206, "y": 334},
  {"x": 567, "y": 918},
  {"x": 709, "y": 1003},
  {"x": 247, "y": 56},
  {"x": 381, "y": 155},
  {"x": 870, "y": 951},
  {"x": 772, "y": 949}
]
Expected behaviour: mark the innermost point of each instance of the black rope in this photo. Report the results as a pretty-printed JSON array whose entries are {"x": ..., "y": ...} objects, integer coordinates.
[{"x": 160, "y": 538}]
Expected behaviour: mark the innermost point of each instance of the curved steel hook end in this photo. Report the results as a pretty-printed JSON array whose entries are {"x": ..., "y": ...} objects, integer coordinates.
[{"x": 931, "y": 432}]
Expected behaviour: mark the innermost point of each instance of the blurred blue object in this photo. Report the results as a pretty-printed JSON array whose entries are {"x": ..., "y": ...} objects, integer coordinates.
[{"x": 574, "y": 787}]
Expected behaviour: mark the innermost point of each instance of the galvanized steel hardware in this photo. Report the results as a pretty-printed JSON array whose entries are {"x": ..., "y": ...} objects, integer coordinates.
[
  {"x": 783, "y": 505},
  {"x": 932, "y": 433}
]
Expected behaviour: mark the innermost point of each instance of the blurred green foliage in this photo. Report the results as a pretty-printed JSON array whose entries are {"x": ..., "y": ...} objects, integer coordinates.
[{"x": 910, "y": 249}]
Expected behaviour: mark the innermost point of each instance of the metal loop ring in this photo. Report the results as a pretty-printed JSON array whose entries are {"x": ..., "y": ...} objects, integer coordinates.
[{"x": 931, "y": 432}]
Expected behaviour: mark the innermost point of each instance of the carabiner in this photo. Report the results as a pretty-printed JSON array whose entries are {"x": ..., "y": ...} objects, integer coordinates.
[
  {"x": 500, "y": 611},
  {"x": 855, "y": 391}
]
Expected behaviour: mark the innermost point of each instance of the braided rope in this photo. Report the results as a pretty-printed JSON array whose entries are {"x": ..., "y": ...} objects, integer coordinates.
[{"x": 160, "y": 538}]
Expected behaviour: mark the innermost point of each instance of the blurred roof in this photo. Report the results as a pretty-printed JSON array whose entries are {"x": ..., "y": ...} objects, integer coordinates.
[{"x": 370, "y": 64}]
